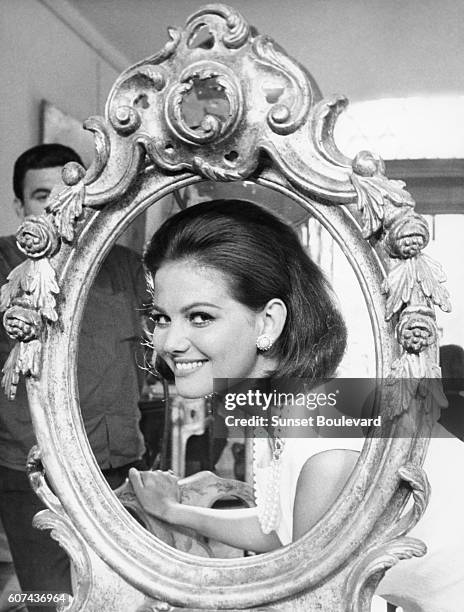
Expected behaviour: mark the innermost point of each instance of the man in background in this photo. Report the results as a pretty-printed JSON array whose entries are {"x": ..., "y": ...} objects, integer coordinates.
[{"x": 108, "y": 376}]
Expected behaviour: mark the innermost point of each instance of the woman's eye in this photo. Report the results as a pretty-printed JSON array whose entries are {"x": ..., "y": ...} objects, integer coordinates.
[
  {"x": 160, "y": 320},
  {"x": 200, "y": 319}
]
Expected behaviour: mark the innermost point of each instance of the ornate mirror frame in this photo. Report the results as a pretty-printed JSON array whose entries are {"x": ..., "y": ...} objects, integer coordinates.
[{"x": 277, "y": 132}]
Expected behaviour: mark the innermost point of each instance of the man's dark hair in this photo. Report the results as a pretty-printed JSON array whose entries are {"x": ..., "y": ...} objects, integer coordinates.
[{"x": 41, "y": 156}]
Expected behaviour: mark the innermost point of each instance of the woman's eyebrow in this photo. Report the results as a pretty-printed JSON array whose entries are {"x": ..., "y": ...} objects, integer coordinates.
[
  {"x": 199, "y": 305},
  {"x": 185, "y": 309},
  {"x": 154, "y": 306}
]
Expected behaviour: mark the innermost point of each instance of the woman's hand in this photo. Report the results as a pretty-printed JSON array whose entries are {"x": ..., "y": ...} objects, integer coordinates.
[{"x": 157, "y": 492}]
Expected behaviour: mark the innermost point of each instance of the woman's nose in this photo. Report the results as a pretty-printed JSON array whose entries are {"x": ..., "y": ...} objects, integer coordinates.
[{"x": 175, "y": 339}]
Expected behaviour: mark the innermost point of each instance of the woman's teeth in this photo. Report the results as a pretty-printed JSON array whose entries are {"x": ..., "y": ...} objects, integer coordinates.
[{"x": 190, "y": 365}]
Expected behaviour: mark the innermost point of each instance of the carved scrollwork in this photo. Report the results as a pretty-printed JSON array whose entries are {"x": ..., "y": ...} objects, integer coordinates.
[
  {"x": 212, "y": 127},
  {"x": 135, "y": 88},
  {"x": 37, "y": 237},
  {"x": 28, "y": 299},
  {"x": 97, "y": 126},
  {"x": 414, "y": 280},
  {"x": 24, "y": 358},
  {"x": 414, "y": 381},
  {"x": 63, "y": 531},
  {"x": 370, "y": 569},
  {"x": 65, "y": 206},
  {"x": 366, "y": 575},
  {"x": 36, "y": 475},
  {"x": 323, "y": 118},
  {"x": 69, "y": 539},
  {"x": 417, "y": 479},
  {"x": 407, "y": 236},
  {"x": 236, "y": 30},
  {"x": 373, "y": 189},
  {"x": 417, "y": 329},
  {"x": 147, "y": 104},
  {"x": 125, "y": 119},
  {"x": 72, "y": 173},
  {"x": 35, "y": 282},
  {"x": 23, "y": 324},
  {"x": 29, "y": 296},
  {"x": 430, "y": 276},
  {"x": 419, "y": 273},
  {"x": 174, "y": 35},
  {"x": 218, "y": 173},
  {"x": 285, "y": 118}
]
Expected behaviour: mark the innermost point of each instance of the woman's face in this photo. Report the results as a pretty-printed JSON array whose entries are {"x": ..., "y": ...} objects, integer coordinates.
[{"x": 201, "y": 331}]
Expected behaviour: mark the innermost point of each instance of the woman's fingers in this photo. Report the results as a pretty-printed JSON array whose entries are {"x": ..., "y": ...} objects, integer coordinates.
[
  {"x": 143, "y": 482},
  {"x": 155, "y": 491}
]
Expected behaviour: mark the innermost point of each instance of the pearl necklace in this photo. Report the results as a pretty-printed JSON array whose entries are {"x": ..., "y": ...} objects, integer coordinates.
[{"x": 268, "y": 504}]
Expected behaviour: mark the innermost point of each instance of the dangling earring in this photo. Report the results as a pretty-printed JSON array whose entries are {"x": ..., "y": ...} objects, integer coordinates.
[{"x": 263, "y": 343}]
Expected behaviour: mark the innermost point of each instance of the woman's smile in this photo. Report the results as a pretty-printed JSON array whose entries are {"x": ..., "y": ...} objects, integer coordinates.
[{"x": 184, "y": 367}]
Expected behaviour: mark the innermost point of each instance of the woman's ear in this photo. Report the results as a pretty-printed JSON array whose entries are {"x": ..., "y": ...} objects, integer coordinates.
[{"x": 273, "y": 317}]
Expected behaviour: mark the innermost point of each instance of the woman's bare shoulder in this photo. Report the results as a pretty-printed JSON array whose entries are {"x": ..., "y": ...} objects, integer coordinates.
[
  {"x": 320, "y": 482},
  {"x": 334, "y": 460}
]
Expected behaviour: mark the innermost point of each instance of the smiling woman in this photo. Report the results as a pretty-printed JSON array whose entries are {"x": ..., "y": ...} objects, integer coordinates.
[{"x": 235, "y": 296}]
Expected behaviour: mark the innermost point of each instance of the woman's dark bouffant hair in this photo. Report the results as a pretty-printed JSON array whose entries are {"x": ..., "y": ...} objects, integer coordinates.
[{"x": 262, "y": 258}]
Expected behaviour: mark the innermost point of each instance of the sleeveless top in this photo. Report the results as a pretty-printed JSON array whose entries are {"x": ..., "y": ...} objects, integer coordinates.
[
  {"x": 433, "y": 583},
  {"x": 295, "y": 454}
]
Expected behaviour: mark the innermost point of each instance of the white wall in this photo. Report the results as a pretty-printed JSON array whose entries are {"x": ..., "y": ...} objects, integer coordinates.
[{"x": 42, "y": 58}]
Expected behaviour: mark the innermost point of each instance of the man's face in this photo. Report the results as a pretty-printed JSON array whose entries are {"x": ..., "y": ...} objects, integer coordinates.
[{"x": 37, "y": 186}]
